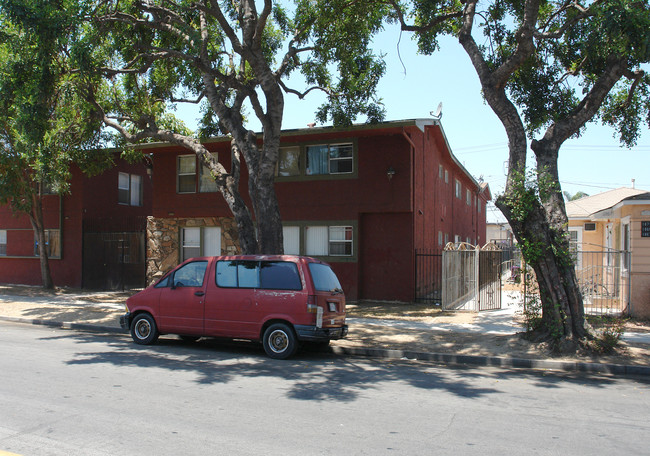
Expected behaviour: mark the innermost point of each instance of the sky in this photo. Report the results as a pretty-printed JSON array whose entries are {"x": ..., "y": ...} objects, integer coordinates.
[{"x": 414, "y": 85}]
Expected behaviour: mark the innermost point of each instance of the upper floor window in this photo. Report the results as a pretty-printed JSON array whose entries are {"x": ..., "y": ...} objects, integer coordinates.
[
  {"x": 3, "y": 242},
  {"x": 459, "y": 189},
  {"x": 187, "y": 179},
  {"x": 289, "y": 161},
  {"x": 468, "y": 198},
  {"x": 329, "y": 159},
  {"x": 129, "y": 189}
]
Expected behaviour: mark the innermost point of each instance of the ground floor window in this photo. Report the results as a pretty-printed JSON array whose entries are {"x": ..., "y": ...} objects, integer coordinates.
[
  {"x": 3, "y": 242},
  {"x": 200, "y": 241},
  {"x": 320, "y": 240},
  {"x": 52, "y": 244}
]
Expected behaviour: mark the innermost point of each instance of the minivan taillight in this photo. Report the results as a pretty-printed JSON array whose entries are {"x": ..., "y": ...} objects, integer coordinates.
[
  {"x": 311, "y": 304},
  {"x": 313, "y": 308}
]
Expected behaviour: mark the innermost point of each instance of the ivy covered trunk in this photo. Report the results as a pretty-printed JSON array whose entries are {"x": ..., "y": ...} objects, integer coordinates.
[{"x": 545, "y": 247}]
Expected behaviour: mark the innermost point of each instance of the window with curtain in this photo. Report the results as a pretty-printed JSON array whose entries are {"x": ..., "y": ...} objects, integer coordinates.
[
  {"x": 200, "y": 241},
  {"x": 291, "y": 236},
  {"x": 52, "y": 244}
]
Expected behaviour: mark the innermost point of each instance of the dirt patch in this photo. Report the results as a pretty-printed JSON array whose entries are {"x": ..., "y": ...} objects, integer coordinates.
[{"x": 514, "y": 346}]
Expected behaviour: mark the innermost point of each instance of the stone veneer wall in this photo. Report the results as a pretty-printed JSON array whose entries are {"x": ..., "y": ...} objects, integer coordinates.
[{"x": 163, "y": 241}]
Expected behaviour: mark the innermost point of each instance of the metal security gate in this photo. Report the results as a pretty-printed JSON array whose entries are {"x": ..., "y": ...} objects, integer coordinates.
[
  {"x": 428, "y": 276},
  {"x": 471, "y": 277},
  {"x": 113, "y": 261}
]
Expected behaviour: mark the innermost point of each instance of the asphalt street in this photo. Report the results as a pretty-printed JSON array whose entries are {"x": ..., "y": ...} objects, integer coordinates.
[{"x": 74, "y": 393}]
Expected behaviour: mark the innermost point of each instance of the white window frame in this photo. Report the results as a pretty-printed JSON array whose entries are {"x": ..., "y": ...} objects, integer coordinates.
[
  {"x": 578, "y": 245},
  {"x": 626, "y": 244}
]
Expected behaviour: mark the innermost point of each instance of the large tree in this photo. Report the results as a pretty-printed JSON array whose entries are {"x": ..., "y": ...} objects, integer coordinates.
[
  {"x": 230, "y": 55},
  {"x": 547, "y": 68},
  {"x": 44, "y": 120}
]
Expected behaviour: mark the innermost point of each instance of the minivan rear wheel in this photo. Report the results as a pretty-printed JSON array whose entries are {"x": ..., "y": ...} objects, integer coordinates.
[
  {"x": 279, "y": 341},
  {"x": 143, "y": 329}
]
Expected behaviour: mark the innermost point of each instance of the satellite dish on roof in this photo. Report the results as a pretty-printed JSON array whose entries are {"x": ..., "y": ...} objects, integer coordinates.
[{"x": 438, "y": 113}]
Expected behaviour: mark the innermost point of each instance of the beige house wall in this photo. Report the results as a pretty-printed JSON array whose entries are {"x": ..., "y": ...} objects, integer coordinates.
[{"x": 640, "y": 260}]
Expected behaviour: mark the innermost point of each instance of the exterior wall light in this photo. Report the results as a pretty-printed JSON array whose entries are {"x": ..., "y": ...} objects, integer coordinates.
[{"x": 390, "y": 173}]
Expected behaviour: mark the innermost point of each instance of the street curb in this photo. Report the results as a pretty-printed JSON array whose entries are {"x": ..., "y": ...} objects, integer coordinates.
[
  {"x": 496, "y": 361},
  {"x": 446, "y": 358},
  {"x": 64, "y": 324}
]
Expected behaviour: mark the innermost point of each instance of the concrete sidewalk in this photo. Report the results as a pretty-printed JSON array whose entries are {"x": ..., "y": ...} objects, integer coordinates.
[{"x": 101, "y": 311}]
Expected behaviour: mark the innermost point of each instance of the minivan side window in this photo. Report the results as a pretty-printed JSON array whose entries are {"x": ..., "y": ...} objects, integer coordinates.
[
  {"x": 270, "y": 275},
  {"x": 190, "y": 275},
  {"x": 324, "y": 278},
  {"x": 279, "y": 275}
]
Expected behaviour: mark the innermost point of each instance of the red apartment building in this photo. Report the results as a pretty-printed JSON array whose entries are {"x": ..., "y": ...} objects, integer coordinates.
[
  {"x": 95, "y": 233},
  {"x": 364, "y": 198}
]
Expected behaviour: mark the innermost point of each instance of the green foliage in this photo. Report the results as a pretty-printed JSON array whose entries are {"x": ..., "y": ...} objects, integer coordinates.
[
  {"x": 609, "y": 331},
  {"x": 45, "y": 123}
]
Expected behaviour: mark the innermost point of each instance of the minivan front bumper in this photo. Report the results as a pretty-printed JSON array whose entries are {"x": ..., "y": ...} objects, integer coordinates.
[
  {"x": 125, "y": 321},
  {"x": 313, "y": 333}
]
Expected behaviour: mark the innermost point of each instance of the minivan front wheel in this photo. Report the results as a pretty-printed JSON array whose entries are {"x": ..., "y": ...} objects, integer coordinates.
[
  {"x": 279, "y": 341},
  {"x": 143, "y": 329}
]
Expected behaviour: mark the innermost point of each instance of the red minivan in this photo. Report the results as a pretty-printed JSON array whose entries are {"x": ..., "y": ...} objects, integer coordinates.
[{"x": 281, "y": 300}]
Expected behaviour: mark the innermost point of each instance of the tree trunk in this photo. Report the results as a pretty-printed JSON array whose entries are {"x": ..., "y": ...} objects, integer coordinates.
[{"x": 36, "y": 219}]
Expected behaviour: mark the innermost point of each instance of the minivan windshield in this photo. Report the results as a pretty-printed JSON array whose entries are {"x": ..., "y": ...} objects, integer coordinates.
[{"x": 324, "y": 278}]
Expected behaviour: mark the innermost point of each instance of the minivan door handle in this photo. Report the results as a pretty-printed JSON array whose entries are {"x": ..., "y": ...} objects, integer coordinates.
[{"x": 199, "y": 293}]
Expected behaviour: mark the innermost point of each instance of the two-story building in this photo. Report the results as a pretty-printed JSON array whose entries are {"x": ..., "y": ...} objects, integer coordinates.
[
  {"x": 95, "y": 234},
  {"x": 364, "y": 198}
]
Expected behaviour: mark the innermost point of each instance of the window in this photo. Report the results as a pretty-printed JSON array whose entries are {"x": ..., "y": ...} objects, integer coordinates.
[
  {"x": 191, "y": 275},
  {"x": 340, "y": 241},
  {"x": 329, "y": 159},
  {"x": 441, "y": 171},
  {"x": 468, "y": 197},
  {"x": 186, "y": 174},
  {"x": 459, "y": 189},
  {"x": 329, "y": 241},
  {"x": 269, "y": 275},
  {"x": 207, "y": 184},
  {"x": 129, "y": 189},
  {"x": 446, "y": 177},
  {"x": 291, "y": 236},
  {"x": 200, "y": 241},
  {"x": 439, "y": 237},
  {"x": 52, "y": 244},
  {"x": 187, "y": 179},
  {"x": 320, "y": 240},
  {"x": 323, "y": 277},
  {"x": 590, "y": 227},
  {"x": 3, "y": 242},
  {"x": 289, "y": 161}
]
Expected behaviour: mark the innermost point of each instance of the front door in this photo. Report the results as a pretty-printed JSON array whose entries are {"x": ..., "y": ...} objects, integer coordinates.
[{"x": 182, "y": 303}]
